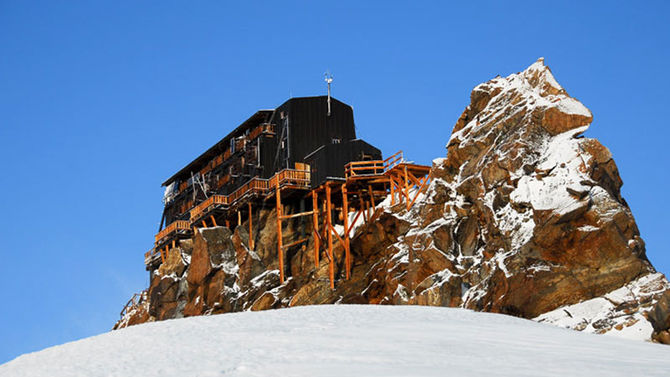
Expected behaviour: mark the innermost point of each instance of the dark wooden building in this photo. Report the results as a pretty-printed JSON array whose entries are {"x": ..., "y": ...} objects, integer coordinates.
[{"x": 314, "y": 133}]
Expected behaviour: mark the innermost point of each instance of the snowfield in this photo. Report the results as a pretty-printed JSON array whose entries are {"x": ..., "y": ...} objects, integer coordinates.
[{"x": 346, "y": 340}]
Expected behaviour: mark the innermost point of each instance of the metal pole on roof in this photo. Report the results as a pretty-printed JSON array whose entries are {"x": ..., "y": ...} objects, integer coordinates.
[{"x": 329, "y": 80}]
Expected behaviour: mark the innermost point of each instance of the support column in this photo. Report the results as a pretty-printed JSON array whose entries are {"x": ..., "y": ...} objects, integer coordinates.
[
  {"x": 213, "y": 220},
  {"x": 392, "y": 192},
  {"x": 315, "y": 227},
  {"x": 406, "y": 188},
  {"x": 279, "y": 235},
  {"x": 364, "y": 209},
  {"x": 372, "y": 197},
  {"x": 331, "y": 272},
  {"x": 345, "y": 216},
  {"x": 251, "y": 230}
]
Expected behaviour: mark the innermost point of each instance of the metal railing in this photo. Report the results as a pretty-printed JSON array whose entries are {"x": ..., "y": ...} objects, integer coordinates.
[{"x": 134, "y": 301}]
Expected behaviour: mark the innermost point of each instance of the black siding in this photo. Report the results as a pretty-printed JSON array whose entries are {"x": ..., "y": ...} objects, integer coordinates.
[
  {"x": 310, "y": 127},
  {"x": 329, "y": 161}
]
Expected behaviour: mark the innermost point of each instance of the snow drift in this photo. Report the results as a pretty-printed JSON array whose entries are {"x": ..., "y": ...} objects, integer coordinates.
[{"x": 346, "y": 340}]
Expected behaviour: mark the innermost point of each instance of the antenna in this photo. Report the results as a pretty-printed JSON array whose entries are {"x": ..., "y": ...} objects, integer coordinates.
[{"x": 328, "y": 79}]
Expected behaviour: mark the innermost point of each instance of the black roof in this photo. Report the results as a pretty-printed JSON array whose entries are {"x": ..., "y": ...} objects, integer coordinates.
[{"x": 259, "y": 117}]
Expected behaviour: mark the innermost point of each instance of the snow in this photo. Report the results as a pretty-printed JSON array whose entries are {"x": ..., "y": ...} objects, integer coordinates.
[
  {"x": 346, "y": 340},
  {"x": 563, "y": 162},
  {"x": 603, "y": 313}
]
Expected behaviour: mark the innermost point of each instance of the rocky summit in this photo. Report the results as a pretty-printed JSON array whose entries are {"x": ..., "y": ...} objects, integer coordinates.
[{"x": 524, "y": 216}]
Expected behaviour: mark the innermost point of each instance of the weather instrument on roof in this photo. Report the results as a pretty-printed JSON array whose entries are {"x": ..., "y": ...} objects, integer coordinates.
[{"x": 329, "y": 80}]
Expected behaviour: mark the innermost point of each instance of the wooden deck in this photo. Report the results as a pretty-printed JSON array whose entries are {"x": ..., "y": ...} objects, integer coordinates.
[{"x": 256, "y": 187}]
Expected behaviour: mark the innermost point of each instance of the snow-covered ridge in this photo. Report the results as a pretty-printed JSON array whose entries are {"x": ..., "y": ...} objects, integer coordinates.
[{"x": 347, "y": 340}]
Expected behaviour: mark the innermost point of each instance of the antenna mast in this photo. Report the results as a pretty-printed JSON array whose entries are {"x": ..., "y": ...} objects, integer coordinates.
[{"x": 329, "y": 79}]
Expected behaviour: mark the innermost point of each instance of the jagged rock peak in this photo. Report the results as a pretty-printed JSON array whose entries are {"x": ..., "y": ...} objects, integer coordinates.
[{"x": 532, "y": 93}]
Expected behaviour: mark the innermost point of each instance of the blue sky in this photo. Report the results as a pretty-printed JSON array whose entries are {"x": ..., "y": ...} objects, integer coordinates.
[{"x": 101, "y": 101}]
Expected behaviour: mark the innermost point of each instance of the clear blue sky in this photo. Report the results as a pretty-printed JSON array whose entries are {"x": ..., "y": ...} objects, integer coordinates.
[{"x": 101, "y": 101}]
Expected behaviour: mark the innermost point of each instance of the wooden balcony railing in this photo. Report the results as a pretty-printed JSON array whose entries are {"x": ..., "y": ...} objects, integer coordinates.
[
  {"x": 263, "y": 128},
  {"x": 371, "y": 168},
  {"x": 212, "y": 200},
  {"x": 174, "y": 227},
  {"x": 291, "y": 176},
  {"x": 393, "y": 160},
  {"x": 363, "y": 168},
  {"x": 254, "y": 186}
]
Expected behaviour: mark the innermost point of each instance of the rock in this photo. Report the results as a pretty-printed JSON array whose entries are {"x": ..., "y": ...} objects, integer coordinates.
[
  {"x": 174, "y": 263},
  {"x": 211, "y": 247},
  {"x": 659, "y": 317}
]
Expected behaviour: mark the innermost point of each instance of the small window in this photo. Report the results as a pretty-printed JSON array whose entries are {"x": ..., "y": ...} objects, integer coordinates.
[{"x": 336, "y": 141}]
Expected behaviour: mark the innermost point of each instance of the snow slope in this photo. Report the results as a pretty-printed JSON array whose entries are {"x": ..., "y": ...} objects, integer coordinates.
[{"x": 346, "y": 340}]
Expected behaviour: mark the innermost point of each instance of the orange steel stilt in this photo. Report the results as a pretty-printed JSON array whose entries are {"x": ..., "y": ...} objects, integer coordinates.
[
  {"x": 406, "y": 188},
  {"x": 251, "y": 238},
  {"x": 315, "y": 226},
  {"x": 372, "y": 197},
  {"x": 345, "y": 216},
  {"x": 213, "y": 220},
  {"x": 331, "y": 269},
  {"x": 279, "y": 234}
]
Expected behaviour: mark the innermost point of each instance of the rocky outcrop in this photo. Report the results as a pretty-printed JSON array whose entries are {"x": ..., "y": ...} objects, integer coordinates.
[
  {"x": 659, "y": 317},
  {"x": 524, "y": 216}
]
